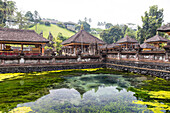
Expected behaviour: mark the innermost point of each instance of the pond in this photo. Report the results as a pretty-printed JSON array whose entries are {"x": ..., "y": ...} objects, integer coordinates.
[{"x": 82, "y": 91}]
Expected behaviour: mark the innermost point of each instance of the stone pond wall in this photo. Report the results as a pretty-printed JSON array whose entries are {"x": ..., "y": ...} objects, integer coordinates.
[
  {"x": 146, "y": 68},
  {"x": 141, "y": 68},
  {"x": 39, "y": 68}
]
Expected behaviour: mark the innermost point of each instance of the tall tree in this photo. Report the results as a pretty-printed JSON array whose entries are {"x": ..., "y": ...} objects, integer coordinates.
[
  {"x": 151, "y": 21},
  {"x": 7, "y": 9},
  {"x": 21, "y": 21},
  {"x": 112, "y": 35},
  {"x": 29, "y": 16},
  {"x": 90, "y": 20},
  {"x": 85, "y": 19},
  {"x": 2, "y": 13}
]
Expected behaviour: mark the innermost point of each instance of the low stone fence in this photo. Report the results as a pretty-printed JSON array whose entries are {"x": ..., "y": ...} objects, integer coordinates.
[
  {"x": 51, "y": 67},
  {"x": 6, "y": 60},
  {"x": 143, "y": 55},
  {"x": 161, "y": 70}
]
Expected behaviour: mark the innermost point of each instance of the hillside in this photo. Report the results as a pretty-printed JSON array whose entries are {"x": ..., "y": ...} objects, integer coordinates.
[{"x": 54, "y": 29}]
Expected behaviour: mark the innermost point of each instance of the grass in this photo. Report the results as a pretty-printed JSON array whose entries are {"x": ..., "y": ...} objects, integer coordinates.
[{"x": 54, "y": 29}]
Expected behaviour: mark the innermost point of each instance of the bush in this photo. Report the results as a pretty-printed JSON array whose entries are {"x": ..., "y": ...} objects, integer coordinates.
[
  {"x": 41, "y": 22},
  {"x": 60, "y": 25},
  {"x": 47, "y": 23},
  {"x": 32, "y": 25}
]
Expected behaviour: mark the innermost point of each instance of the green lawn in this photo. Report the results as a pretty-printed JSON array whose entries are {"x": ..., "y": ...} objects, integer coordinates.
[{"x": 54, "y": 29}]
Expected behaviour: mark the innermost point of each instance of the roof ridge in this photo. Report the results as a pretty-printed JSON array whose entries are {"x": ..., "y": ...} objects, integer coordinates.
[{"x": 12, "y": 29}]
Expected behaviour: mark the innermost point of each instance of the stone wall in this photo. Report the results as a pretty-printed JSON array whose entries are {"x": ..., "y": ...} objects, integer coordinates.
[
  {"x": 39, "y": 68},
  {"x": 146, "y": 68}
]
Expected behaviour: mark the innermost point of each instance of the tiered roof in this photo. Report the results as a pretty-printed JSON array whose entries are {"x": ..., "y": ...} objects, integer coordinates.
[
  {"x": 147, "y": 46},
  {"x": 83, "y": 37},
  {"x": 165, "y": 28},
  {"x": 156, "y": 38},
  {"x": 127, "y": 39}
]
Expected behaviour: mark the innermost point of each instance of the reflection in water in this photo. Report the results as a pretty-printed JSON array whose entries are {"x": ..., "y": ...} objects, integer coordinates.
[{"x": 89, "y": 93}]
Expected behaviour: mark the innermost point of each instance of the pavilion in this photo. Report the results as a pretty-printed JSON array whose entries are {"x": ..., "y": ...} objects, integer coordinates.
[
  {"x": 127, "y": 42},
  {"x": 17, "y": 37},
  {"x": 82, "y": 41},
  {"x": 165, "y": 28},
  {"x": 156, "y": 40},
  {"x": 147, "y": 47}
]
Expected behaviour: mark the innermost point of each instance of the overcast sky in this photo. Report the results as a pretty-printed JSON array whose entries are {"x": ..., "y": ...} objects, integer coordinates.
[{"x": 113, "y": 11}]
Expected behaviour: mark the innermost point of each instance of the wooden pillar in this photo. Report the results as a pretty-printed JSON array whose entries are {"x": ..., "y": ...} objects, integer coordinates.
[
  {"x": 1, "y": 47},
  {"x": 76, "y": 50},
  {"x": 42, "y": 49},
  {"x": 21, "y": 47}
]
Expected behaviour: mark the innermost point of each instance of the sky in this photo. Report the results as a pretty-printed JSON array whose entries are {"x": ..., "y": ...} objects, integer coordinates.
[{"x": 110, "y": 11}]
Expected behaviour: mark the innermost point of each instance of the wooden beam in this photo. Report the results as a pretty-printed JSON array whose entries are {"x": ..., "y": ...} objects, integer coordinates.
[{"x": 25, "y": 43}]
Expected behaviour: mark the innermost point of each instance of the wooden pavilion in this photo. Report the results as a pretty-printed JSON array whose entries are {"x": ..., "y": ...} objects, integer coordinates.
[
  {"x": 156, "y": 40},
  {"x": 16, "y": 37},
  {"x": 165, "y": 28},
  {"x": 81, "y": 41},
  {"x": 147, "y": 47},
  {"x": 127, "y": 42}
]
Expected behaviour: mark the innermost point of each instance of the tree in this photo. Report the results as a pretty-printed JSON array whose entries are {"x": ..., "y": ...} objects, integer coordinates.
[
  {"x": 98, "y": 24},
  {"x": 2, "y": 13},
  {"x": 108, "y": 25},
  {"x": 90, "y": 20},
  {"x": 7, "y": 10},
  {"x": 20, "y": 20},
  {"x": 85, "y": 19},
  {"x": 61, "y": 37},
  {"x": 29, "y": 16},
  {"x": 112, "y": 35},
  {"x": 151, "y": 21},
  {"x": 85, "y": 25},
  {"x": 57, "y": 42},
  {"x": 47, "y": 23},
  {"x": 79, "y": 22}
]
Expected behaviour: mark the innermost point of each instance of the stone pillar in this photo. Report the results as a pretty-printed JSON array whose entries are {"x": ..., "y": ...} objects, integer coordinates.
[
  {"x": 119, "y": 56},
  {"x": 137, "y": 56},
  {"x": 22, "y": 61},
  {"x": 2, "y": 61}
]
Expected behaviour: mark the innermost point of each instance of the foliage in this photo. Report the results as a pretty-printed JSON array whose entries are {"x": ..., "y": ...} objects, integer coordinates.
[
  {"x": 108, "y": 25},
  {"x": 58, "y": 40},
  {"x": 61, "y": 37},
  {"x": 85, "y": 25},
  {"x": 29, "y": 16},
  {"x": 21, "y": 110},
  {"x": 155, "y": 94},
  {"x": 7, "y": 9},
  {"x": 47, "y": 23},
  {"x": 21, "y": 20},
  {"x": 151, "y": 21},
  {"x": 60, "y": 24},
  {"x": 112, "y": 35}
]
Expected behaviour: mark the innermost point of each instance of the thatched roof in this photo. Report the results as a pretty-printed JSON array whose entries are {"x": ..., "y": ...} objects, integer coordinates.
[
  {"x": 17, "y": 35},
  {"x": 156, "y": 38},
  {"x": 147, "y": 46},
  {"x": 83, "y": 37},
  {"x": 103, "y": 46},
  {"x": 127, "y": 39},
  {"x": 165, "y": 28},
  {"x": 113, "y": 45}
]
